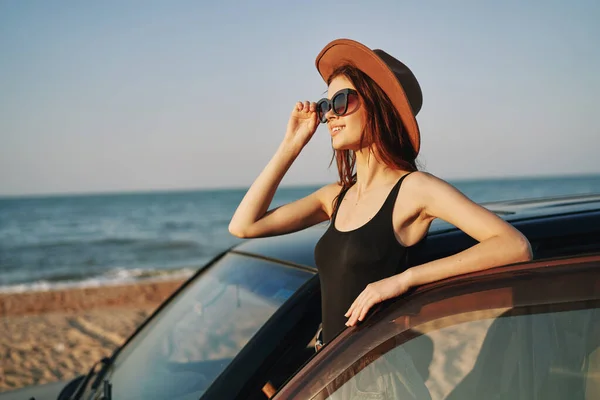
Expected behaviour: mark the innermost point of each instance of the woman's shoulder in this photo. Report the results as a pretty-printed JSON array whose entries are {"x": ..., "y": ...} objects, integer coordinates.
[
  {"x": 330, "y": 189},
  {"x": 433, "y": 194},
  {"x": 327, "y": 195},
  {"x": 423, "y": 181},
  {"x": 422, "y": 186}
]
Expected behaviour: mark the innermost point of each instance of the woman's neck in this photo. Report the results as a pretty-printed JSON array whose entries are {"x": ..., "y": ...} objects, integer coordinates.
[{"x": 371, "y": 172}]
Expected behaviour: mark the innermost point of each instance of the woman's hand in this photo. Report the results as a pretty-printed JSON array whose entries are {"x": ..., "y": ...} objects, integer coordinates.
[
  {"x": 374, "y": 293},
  {"x": 302, "y": 124}
]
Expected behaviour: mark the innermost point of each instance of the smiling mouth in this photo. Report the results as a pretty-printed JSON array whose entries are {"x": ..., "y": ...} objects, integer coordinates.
[{"x": 337, "y": 129}]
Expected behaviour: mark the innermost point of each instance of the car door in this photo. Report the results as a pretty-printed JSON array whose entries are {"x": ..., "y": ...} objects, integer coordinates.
[{"x": 526, "y": 331}]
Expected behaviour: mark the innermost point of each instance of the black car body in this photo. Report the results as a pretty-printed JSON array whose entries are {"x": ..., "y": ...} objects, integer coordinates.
[{"x": 262, "y": 323}]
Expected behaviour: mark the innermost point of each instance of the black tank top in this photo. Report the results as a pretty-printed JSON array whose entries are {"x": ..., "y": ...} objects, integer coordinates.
[{"x": 348, "y": 261}]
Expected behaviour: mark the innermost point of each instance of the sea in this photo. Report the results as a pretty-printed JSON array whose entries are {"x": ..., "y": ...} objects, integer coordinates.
[{"x": 63, "y": 241}]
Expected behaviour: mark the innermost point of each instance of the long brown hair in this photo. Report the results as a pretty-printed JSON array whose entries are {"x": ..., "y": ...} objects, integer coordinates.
[{"x": 383, "y": 128}]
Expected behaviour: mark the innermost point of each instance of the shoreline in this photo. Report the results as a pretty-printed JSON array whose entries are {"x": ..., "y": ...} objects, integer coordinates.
[
  {"x": 49, "y": 336},
  {"x": 144, "y": 293},
  {"x": 136, "y": 276}
]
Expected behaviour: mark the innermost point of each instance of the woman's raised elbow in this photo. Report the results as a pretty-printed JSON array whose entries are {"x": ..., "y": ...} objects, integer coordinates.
[{"x": 237, "y": 231}]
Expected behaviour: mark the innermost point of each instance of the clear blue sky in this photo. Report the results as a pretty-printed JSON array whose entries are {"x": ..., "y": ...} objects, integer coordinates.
[{"x": 132, "y": 95}]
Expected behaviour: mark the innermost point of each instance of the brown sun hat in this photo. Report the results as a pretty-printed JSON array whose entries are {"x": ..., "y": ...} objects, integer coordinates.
[{"x": 394, "y": 78}]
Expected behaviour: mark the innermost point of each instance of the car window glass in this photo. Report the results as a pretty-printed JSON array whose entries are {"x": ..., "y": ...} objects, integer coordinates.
[
  {"x": 533, "y": 353},
  {"x": 193, "y": 339}
]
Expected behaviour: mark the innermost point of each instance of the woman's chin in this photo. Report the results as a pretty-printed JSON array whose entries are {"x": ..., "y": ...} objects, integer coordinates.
[{"x": 340, "y": 145}]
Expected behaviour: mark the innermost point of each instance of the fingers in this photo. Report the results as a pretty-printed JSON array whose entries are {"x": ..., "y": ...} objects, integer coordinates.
[
  {"x": 356, "y": 309},
  {"x": 354, "y": 315},
  {"x": 365, "y": 310},
  {"x": 306, "y": 106},
  {"x": 361, "y": 306},
  {"x": 355, "y": 304},
  {"x": 361, "y": 311}
]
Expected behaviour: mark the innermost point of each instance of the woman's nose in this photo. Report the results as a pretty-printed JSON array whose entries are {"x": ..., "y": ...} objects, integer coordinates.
[{"x": 329, "y": 115}]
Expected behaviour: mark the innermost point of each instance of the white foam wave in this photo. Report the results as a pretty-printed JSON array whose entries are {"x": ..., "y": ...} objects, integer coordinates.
[{"x": 111, "y": 278}]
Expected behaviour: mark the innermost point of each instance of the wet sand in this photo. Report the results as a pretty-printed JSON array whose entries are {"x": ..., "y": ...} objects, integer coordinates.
[{"x": 49, "y": 336}]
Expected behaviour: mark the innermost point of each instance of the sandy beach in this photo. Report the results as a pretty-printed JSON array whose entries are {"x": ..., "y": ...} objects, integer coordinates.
[{"x": 48, "y": 336}]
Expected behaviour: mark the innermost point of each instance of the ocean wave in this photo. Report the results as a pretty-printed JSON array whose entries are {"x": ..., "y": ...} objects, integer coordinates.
[
  {"x": 110, "y": 241},
  {"x": 110, "y": 278}
]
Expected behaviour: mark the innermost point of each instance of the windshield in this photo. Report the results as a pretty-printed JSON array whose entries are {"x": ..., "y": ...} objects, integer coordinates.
[{"x": 191, "y": 341}]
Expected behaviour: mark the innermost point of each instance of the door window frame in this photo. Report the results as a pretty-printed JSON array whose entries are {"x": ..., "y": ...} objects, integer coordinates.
[{"x": 547, "y": 282}]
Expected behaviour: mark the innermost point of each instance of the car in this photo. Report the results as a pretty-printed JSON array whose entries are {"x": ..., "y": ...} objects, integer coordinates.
[{"x": 245, "y": 325}]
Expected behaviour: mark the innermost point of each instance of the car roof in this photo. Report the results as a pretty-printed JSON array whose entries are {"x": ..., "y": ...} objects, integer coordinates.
[{"x": 298, "y": 247}]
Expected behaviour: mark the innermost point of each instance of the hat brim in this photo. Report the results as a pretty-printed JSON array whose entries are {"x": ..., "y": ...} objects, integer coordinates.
[{"x": 341, "y": 51}]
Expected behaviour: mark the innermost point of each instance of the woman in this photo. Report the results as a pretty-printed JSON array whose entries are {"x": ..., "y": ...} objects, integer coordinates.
[{"x": 382, "y": 204}]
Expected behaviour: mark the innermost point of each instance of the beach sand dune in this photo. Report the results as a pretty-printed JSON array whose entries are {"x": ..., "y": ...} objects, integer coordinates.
[{"x": 49, "y": 336}]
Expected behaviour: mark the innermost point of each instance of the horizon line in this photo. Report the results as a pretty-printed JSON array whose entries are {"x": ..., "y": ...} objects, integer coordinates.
[{"x": 283, "y": 186}]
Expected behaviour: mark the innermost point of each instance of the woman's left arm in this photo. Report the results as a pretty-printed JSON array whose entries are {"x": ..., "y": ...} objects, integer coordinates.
[{"x": 499, "y": 243}]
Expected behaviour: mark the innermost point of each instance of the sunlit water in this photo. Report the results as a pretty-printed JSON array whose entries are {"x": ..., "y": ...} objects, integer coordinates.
[{"x": 58, "y": 241}]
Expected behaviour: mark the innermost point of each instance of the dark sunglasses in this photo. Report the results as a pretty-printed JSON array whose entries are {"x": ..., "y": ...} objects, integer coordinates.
[{"x": 342, "y": 102}]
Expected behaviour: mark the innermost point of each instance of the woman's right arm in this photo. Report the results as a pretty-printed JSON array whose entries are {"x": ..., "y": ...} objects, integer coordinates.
[{"x": 252, "y": 217}]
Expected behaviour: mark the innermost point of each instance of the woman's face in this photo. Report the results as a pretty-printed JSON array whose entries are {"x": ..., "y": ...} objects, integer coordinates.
[{"x": 346, "y": 130}]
